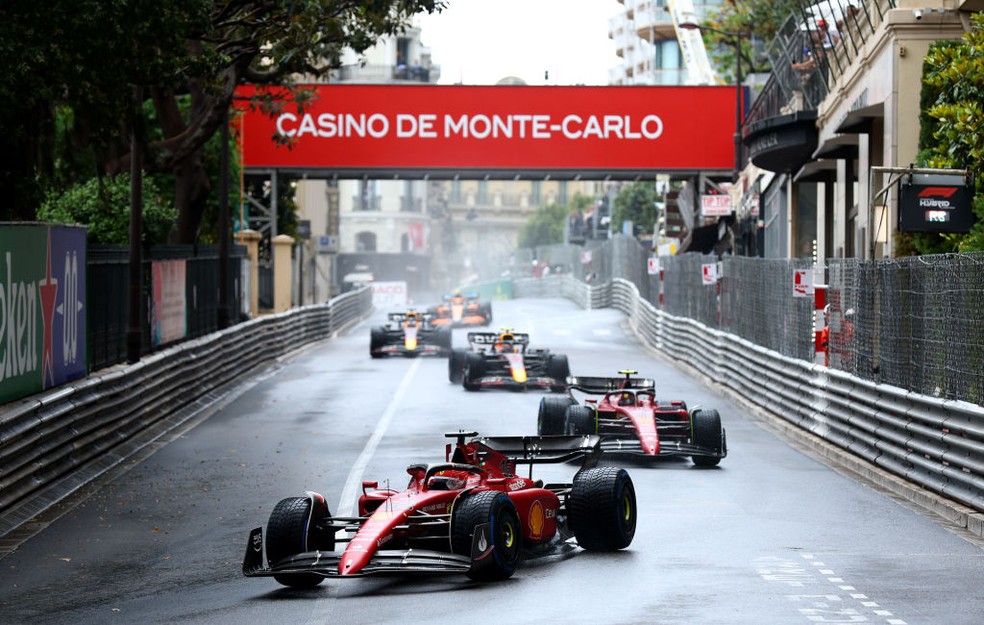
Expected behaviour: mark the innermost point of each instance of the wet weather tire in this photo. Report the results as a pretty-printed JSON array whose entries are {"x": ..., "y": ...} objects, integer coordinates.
[
  {"x": 474, "y": 369},
  {"x": 377, "y": 339},
  {"x": 497, "y": 510},
  {"x": 580, "y": 420},
  {"x": 456, "y": 365},
  {"x": 558, "y": 369},
  {"x": 291, "y": 531},
  {"x": 550, "y": 418},
  {"x": 601, "y": 509},
  {"x": 705, "y": 431}
]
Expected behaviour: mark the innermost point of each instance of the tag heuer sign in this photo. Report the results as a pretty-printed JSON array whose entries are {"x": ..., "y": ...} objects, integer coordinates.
[{"x": 935, "y": 203}]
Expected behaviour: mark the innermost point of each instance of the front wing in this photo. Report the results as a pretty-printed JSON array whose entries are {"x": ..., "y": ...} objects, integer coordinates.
[
  {"x": 506, "y": 381},
  {"x": 325, "y": 563},
  {"x": 632, "y": 446}
]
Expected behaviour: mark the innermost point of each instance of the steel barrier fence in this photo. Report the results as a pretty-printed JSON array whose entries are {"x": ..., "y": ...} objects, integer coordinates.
[
  {"x": 935, "y": 443},
  {"x": 914, "y": 323},
  {"x": 54, "y": 442}
]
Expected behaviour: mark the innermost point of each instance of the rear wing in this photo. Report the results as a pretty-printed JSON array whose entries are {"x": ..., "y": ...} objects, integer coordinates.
[
  {"x": 545, "y": 449},
  {"x": 491, "y": 338},
  {"x": 601, "y": 385},
  {"x": 399, "y": 317}
]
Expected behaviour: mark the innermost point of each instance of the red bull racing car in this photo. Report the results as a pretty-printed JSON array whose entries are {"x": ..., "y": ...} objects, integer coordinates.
[
  {"x": 505, "y": 360},
  {"x": 409, "y": 334},
  {"x": 471, "y": 514},
  {"x": 630, "y": 420},
  {"x": 462, "y": 309}
]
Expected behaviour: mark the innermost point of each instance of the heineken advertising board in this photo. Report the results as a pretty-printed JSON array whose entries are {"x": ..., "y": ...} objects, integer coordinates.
[{"x": 42, "y": 307}]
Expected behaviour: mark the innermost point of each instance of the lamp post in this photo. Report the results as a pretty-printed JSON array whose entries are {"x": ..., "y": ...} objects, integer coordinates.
[{"x": 736, "y": 40}]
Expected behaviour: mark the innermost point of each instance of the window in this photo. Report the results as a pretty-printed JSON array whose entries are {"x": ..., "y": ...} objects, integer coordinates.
[{"x": 365, "y": 242}]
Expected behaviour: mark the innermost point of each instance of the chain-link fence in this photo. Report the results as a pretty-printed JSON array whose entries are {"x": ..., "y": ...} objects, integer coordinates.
[{"x": 913, "y": 323}]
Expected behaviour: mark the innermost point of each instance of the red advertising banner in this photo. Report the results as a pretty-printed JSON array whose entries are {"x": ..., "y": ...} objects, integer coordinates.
[{"x": 515, "y": 128}]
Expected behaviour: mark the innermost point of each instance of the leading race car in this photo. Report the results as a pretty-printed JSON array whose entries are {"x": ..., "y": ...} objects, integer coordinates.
[
  {"x": 471, "y": 514},
  {"x": 462, "y": 309},
  {"x": 410, "y": 334},
  {"x": 630, "y": 420},
  {"x": 505, "y": 360}
]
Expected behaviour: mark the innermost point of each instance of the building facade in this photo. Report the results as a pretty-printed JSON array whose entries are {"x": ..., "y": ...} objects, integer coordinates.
[{"x": 822, "y": 136}]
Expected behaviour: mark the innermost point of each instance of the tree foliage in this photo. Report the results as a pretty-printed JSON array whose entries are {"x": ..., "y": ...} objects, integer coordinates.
[
  {"x": 103, "y": 204},
  {"x": 756, "y": 21},
  {"x": 636, "y": 203},
  {"x": 544, "y": 227},
  {"x": 79, "y": 65},
  {"x": 954, "y": 91}
]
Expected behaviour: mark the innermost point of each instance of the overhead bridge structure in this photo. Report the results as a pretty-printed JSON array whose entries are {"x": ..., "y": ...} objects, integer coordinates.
[{"x": 492, "y": 132}]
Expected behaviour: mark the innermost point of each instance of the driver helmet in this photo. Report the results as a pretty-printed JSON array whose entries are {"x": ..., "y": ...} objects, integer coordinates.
[{"x": 625, "y": 399}]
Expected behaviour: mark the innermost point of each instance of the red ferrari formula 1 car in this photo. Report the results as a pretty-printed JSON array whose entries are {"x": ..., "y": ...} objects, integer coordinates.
[
  {"x": 462, "y": 309},
  {"x": 409, "y": 334},
  {"x": 630, "y": 420},
  {"x": 471, "y": 514},
  {"x": 505, "y": 360}
]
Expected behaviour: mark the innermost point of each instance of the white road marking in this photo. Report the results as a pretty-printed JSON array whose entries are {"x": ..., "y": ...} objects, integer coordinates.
[
  {"x": 346, "y": 504},
  {"x": 822, "y": 606}
]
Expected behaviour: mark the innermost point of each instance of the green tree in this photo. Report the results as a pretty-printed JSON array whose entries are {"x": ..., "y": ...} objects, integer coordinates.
[
  {"x": 954, "y": 74},
  {"x": 636, "y": 203},
  {"x": 187, "y": 57},
  {"x": 755, "y": 20},
  {"x": 544, "y": 227},
  {"x": 103, "y": 204}
]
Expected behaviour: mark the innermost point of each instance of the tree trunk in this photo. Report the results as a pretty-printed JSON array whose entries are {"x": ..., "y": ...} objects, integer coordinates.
[{"x": 191, "y": 191}]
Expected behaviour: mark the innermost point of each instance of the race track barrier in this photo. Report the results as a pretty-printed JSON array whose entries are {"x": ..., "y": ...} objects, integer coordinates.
[
  {"x": 53, "y": 443},
  {"x": 935, "y": 444}
]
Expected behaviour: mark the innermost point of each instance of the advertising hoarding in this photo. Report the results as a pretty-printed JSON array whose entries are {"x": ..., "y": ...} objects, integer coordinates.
[{"x": 458, "y": 127}]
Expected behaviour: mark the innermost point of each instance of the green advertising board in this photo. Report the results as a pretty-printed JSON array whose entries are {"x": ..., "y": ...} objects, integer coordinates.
[{"x": 42, "y": 307}]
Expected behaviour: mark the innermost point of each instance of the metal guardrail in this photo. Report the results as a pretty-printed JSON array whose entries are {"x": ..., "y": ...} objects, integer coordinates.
[
  {"x": 71, "y": 434},
  {"x": 934, "y": 443}
]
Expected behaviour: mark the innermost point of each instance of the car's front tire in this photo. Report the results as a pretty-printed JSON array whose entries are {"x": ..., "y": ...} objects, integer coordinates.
[
  {"x": 290, "y": 531},
  {"x": 495, "y": 513}
]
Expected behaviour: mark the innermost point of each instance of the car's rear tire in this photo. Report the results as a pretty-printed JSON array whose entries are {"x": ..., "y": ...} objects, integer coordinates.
[
  {"x": 444, "y": 340},
  {"x": 377, "y": 339},
  {"x": 580, "y": 420},
  {"x": 487, "y": 310},
  {"x": 456, "y": 365},
  {"x": 601, "y": 509},
  {"x": 474, "y": 369},
  {"x": 550, "y": 418},
  {"x": 558, "y": 369},
  {"x": 705, "y": 431},
  {"x": 496, "y": 509},
  {"x": 291, "y": 531}
]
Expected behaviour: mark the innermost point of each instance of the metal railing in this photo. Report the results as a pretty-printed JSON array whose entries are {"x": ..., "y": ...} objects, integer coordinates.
[
  {"x": 934, "y": 443},
  {"x": 53, "y": 443}
]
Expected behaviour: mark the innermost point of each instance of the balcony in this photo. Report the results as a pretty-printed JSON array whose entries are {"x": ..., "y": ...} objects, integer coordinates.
[{"x": 780, "y": 128}]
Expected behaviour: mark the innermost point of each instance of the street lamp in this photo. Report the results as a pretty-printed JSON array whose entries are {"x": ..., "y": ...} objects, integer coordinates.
[{"x": 736, "y": 40}]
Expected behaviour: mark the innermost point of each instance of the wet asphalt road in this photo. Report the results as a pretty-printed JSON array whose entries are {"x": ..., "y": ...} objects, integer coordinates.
[{"x": 771, "y": 536}]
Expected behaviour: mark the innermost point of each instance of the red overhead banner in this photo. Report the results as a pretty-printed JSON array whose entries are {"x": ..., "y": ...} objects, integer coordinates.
[{"x": 515, "y": 128}]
